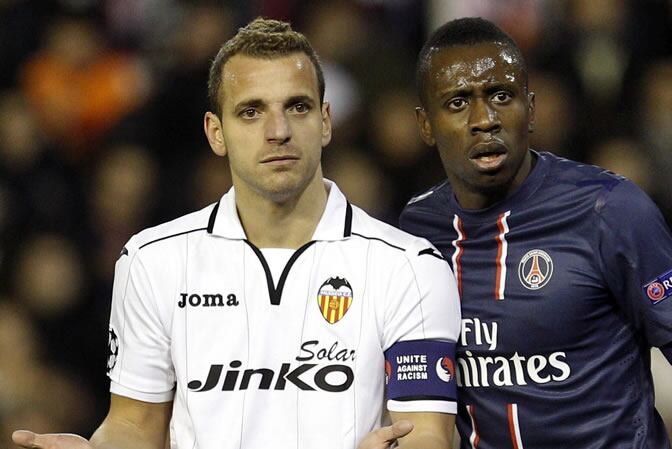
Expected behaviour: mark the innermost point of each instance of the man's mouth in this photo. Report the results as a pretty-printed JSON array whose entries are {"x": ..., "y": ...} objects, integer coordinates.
[
  {"x": 280, "y": 160},
  {"x": 488, "y": 156}
]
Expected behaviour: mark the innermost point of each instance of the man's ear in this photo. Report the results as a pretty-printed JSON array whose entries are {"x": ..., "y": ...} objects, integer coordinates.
[
  {"x": 326, "y": 124},
  {"x": 212, "y": 126},
  {"x": 424, "y": 126},
  {"x": 531, "y": 111}
]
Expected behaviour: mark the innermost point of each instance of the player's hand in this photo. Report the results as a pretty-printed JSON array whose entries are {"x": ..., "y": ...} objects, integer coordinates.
[
  {"x": 384, "y": 437},
  {"x": 30, "y": 440}
]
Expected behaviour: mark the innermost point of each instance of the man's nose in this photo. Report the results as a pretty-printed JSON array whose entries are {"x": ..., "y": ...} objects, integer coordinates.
[
  {"x": 483, "y": 118},
  {"x": 277, "y": 128}
]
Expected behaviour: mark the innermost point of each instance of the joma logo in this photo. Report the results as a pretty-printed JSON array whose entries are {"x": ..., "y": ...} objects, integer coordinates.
[{"x": 206, "y": 300}]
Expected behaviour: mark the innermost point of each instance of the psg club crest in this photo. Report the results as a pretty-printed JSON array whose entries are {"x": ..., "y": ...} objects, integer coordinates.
[
  {"x": 445, "y": 369},
  {"x": 112, "y": 349},
  {"x": 334, "y": 299},
  {"x": 535, "y": 269}
]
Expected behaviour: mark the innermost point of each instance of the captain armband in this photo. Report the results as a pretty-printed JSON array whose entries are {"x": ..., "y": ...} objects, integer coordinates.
[{"x": 421, "y": 370}]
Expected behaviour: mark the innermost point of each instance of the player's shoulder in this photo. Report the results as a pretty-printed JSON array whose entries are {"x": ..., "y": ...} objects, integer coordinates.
[
  {"x": 427, "y": 208},
  {"x": 431, "y": 199},
  {"x": 626, "y": 203},
  {"x": 582, "y": 177},
  {"x": 197, "y": 221},
  {"x": 605, "y": 189},
  {"x": 384, "y": 235}
]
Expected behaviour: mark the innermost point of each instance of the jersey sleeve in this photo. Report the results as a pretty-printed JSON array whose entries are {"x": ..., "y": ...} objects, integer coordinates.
[
  {"x": 421, "y": 328},
  {"x": 635, "y": 251},
  {"x": 139, "y": 360}
]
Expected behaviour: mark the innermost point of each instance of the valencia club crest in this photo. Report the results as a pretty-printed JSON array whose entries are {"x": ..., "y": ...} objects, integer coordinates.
[{"x": 334, "y": 299}]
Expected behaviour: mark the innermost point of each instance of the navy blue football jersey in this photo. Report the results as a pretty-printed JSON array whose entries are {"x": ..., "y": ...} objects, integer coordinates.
[{"x": 565, "y": 287}]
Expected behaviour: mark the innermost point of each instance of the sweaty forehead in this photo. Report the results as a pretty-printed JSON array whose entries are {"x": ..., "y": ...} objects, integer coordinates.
[{"x": 463, "y": 65}]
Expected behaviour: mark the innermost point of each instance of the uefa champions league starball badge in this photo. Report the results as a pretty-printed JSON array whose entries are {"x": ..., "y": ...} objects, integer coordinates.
[{"x": 112, "y": 349}]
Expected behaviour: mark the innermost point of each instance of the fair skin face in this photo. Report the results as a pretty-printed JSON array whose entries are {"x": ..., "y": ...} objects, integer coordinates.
[
  {"x": 479, "y": 113},
  {"x": 273, "y": 129}
]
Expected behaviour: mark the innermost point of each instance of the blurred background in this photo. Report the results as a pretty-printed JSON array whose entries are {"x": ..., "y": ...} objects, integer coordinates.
[{"x": 101, "y": 107}]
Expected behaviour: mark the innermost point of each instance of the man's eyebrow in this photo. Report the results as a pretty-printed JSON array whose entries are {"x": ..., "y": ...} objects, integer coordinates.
[
  {"x": 491, "y": 88},
  {"x": 488, "y": 88},
  {"x": 300, "y": 99},
  {"x": 258, "y": 102},
  {"x": 456, "y": 92},
  {"x": 251, "y": 103}
]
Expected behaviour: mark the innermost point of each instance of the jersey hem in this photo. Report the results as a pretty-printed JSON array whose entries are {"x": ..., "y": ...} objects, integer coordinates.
[
  {"x": 422, "y": 406},
  {"x": 139, "y": 395}
]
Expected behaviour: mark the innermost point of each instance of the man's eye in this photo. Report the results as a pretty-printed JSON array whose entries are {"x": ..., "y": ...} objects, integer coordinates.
[
  {"x": 301, "y": 108},
  {"x": 457, "y": 104},
  {"x": 248, "y": 113},
  {"x": 501, "y": 97}
]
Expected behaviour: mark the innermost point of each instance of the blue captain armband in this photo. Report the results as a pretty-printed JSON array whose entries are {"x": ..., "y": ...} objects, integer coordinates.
[{"x": 421, "y": 370}]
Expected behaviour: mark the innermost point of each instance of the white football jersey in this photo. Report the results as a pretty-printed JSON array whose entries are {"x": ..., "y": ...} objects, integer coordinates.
[{"x": 254, "y": 361}]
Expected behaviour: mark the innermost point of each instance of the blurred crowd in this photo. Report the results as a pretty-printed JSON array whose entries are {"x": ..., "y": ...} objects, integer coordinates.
[{"x": 101, "y": 108}]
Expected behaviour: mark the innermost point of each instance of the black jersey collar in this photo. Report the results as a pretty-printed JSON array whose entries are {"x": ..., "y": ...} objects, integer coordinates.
[{"x": 335, "y": 224}]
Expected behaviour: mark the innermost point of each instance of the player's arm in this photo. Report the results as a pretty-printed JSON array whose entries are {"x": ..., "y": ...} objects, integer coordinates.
[
  {"x": 129, "y": 424},
  {"x": 136, "y": 336},
  {"x": 385, "y": 437},
  {"x": 413, "y": 430},
  {"x": 430, "y": 430},
  {"x": 132, "y": 424},
  {"x": 635, "y": 257},
  {"x": 421, "y": 333}
]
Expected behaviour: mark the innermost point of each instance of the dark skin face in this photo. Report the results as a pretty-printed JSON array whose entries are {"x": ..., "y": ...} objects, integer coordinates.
[{"x": 478, "y": 113}]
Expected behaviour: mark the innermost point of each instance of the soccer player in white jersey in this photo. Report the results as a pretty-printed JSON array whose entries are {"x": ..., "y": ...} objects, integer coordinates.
[{"x": 281, "y": 316}]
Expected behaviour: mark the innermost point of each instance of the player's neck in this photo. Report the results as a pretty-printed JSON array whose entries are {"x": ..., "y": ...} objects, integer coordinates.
[
  {"x": 475, "y": 198},
  {"x": 282, "y": 224}
]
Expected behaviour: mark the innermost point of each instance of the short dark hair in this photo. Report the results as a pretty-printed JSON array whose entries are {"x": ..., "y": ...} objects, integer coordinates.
[
  {"x": 464, "y": 31},
  {"x": 262, "y": 38}
]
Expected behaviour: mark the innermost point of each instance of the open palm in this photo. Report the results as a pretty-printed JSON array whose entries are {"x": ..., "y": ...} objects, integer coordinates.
[{"x": 30, "y": 440}]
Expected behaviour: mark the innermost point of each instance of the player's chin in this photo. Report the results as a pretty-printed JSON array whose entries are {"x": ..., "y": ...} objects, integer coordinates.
[
  {"x": 492, "y": 183},
  {"x": 283, "y": 188}
]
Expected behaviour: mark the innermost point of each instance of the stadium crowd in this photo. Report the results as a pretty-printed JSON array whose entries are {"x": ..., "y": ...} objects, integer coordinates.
[{"x": 101, "y": 109}]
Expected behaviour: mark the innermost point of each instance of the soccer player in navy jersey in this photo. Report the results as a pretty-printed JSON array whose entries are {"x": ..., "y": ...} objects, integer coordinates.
[{"x": 564, "y": 269}]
